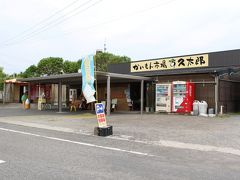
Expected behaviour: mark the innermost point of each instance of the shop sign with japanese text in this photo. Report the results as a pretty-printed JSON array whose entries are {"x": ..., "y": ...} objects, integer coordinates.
[
  {"x": 102, "y": 122},
  {"x": 195, "y": 61}
]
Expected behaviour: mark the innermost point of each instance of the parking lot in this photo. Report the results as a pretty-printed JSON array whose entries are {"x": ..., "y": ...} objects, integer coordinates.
[
  {"x": 169, "y": 146},
  {"x": 215, "y": 131}
]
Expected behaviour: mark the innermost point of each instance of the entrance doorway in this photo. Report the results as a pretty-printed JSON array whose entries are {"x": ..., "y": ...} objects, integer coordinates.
[{"x": 21, "y": 93}]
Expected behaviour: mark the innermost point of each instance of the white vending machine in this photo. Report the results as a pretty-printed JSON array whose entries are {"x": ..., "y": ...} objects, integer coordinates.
[
  {"x": 179, "y": 93},
  {"x": 72, "y": 94},
  {"x": 163, "y": 97}
]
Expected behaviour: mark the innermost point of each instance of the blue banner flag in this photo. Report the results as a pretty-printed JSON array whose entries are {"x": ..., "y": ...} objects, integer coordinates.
[{"x": 87, "y": 69}]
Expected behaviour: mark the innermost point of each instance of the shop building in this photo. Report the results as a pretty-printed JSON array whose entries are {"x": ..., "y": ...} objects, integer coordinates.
[
  {"x": 216, "y": 76},
  {"x": 112, "y": 88},
  {"x": 13, "y": 91}
]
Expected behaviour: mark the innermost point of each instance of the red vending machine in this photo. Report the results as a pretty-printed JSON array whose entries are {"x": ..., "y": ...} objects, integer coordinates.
[{"x": 182, "y": 96}]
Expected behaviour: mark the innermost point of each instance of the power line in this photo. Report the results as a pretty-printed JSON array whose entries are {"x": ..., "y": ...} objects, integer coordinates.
[
  {"x": 49, "y": 23},
  {"x": 53, "y": 24},
  {"x": 124, "y": 17},
  {"x": 104, "y": 22},
  {"x": 41, "y": 22}
]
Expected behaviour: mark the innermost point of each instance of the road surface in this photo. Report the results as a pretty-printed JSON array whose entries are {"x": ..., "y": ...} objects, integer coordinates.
[{"x": 32, "y": 153}]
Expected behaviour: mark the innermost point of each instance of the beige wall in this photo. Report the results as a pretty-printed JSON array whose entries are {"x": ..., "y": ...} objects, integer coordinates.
[
  {"x": 16, "y": 93},
  {"x": 54, "y": 94},
  {"x": 117, "y": 91},
  {"x": 12, "y": 92}
]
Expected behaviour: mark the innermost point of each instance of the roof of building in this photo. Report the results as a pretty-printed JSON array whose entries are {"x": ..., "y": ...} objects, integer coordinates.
[
  {"x": 77, "y": 77},
  {"x": 15, "y": 81}
]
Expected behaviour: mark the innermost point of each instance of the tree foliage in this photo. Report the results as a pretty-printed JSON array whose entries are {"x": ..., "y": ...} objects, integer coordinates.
[
  {"x": 50, "y": 66},
  {"x": 2, "y": 78},
  {"x": 55, "y": 65},
  {"x": 103, "y": 59},
  {"x": 31, "y": 71},
  {"x": 70, "y": 67}
]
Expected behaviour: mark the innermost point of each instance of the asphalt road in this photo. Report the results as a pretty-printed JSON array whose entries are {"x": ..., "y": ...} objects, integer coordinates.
[{"x": 32, "y": 153}]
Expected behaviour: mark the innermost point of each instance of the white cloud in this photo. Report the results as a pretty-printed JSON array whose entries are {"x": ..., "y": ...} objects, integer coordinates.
[{"x": 139, "y": 29}]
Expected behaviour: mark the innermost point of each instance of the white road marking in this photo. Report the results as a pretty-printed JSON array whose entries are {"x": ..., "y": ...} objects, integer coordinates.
[
  {"x": 1, "y": 161},
  {"x": 80, "y": 143},
  {"x": 161, "y": 143},
  {"x": 42, "y": 126},
  {"x": 199, "y": 147},
  {"x": 181, "y": 145}
]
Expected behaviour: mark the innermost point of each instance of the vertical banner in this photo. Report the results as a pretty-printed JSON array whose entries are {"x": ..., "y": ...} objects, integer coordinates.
[{"x": 87, "y": 69}]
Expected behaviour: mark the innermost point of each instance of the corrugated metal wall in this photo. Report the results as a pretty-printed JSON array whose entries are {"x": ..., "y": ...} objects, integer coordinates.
[
  {"x": 229, "y": 96},
  {"x": 203, "y": 91}
]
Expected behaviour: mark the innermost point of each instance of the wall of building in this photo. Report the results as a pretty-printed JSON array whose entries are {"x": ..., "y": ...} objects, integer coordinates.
[
  {"x": 16, "y": 95},
  {"x": 230, "y": 58},
  {"x": 117, "y": 91},
  {"x": 229, "y": 96},
  {"x": 203, "y": 91},
  {"x": 12, "y": 92},
  {"x": 218, "y": 63},
  {"x": 7, "y": 93},
  {"x": 54, "y": 94}
]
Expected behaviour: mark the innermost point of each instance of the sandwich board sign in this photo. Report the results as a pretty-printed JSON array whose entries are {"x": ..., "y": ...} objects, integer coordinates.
[{"x": 101, "y": 118}]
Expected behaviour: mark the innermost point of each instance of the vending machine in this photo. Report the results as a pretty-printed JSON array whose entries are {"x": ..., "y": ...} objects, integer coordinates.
[
  {"x": 182, "y": 96},
  {"x": 163, "y": 97}
]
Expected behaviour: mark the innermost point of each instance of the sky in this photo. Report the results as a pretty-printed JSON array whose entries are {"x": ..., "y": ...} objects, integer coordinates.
[{"x": 140, "y": 29}]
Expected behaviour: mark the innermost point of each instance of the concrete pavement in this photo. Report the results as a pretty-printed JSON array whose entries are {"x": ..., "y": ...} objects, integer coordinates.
[
  {"x": 49, "y": 145},
  {"x": 33, "y": 153},
  {"x": 217, "y": 131}
]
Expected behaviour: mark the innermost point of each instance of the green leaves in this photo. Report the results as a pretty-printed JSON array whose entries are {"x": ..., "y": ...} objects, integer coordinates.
[
  {"x": 2, "y": 78},
  {"x": 70, "y": 67},
  {"x": 50, "y": 66},
  {"x": 103, "y": 59},
  {"x": 31, "y": 71},
  {"x": 56, "y": 65}
]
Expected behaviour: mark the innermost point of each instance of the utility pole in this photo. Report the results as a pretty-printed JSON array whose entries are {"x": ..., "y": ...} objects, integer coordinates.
[{"x": 105, "y": 46}]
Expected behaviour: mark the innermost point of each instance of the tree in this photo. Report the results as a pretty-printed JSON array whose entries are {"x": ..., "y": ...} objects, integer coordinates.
[
  {"x": 31, "y": 71},
  {"x": 2, "y": 78},
  {"x": 50, "y": 66},
  {"x": 103, "y": 59},
  {"x": 70, "y": 67},
  {"x": 79, "y": 63},
  {"x": 55, "y": 65}
]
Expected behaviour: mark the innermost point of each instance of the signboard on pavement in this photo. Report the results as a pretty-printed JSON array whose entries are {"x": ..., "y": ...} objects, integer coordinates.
[{"x": 99, "y": 108}]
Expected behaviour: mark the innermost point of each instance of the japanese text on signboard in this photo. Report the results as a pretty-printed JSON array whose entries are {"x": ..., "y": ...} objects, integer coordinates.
[
  {"x": 171, "y": 63},
  {"x": 99, "y": 108}
]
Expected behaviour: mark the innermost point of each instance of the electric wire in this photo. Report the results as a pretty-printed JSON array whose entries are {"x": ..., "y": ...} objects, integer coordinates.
[
  {"x": 55, "y": 22},
  {"x": 101, "y": 23},
  {"x": 40, "y": 22}
]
